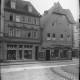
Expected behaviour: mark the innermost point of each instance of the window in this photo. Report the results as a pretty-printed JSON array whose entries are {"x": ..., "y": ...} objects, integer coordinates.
[
  {"x": 17, "y": 18},
  {"x": 29, "y": 8},
  {"x": 17, "y": 33},
  {"x": 29, "y": 34},
  {"x": 20, "y": 46},
  {"x": 28, "y": 54},
  {"x": 11, "y": 32},
  {"x": 48, "y": 36},
  {"x": 13, "y": 4},
  {"x": 29, "y": 19},
  {"x": 68, "y": 37},
  {"x": 34, "y": 20},
  {"x": 53, "y": 24},
  {"x": 35, "y": 35},
  {"x": 27, "y": 46},
  {"x": 61, "y": 36},
  {"x": 64, "y": 53},
  {"x": 11, "y": 17}
]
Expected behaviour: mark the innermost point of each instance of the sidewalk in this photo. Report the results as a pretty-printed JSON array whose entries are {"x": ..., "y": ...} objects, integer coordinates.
[{"x": 35, "y": 62}]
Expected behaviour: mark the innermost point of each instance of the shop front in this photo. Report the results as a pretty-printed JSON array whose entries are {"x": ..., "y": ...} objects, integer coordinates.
[{"x": 55, "y": 53}]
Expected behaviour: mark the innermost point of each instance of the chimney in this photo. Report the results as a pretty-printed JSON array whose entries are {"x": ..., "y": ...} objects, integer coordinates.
[{"x": 45, "y": 12}]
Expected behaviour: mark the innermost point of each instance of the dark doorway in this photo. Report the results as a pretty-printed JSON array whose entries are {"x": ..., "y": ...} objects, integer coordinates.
[
  {"x": 47, "y": 55},
  {"x": 20, "y": 54},
  {"x": 36, "y": 52}
]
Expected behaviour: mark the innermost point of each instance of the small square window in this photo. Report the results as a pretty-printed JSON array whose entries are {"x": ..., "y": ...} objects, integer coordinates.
[
  {"x": 53, "y": 35},
  {"x": 48, "y": 35}
]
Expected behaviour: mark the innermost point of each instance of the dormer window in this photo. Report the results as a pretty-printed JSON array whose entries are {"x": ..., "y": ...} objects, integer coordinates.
[
  {"x": 13, "y": 5},
  {"x": 29, "y": 8}
]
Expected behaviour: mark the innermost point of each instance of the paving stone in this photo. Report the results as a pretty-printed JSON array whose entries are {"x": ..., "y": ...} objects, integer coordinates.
[{"x": 36, "y": 74}]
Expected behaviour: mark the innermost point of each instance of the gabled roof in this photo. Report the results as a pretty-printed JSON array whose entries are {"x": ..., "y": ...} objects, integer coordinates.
[
  {"x": 21, "y": 5},
  {"x": 57, "y": 9}
]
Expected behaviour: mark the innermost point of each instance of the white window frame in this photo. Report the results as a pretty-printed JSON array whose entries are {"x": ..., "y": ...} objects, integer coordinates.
[
  {"x": 17, "y": 18},
  {"x": 17, "y": 33},
  {"x": 11, "y": 33}
]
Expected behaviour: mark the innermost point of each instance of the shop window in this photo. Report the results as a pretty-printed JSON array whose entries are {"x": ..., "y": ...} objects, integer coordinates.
[
  {"x": 11, "y": 32},
  {"x": 55, "y": 53},
  {"x": 48, "y": 36},
  {"x": 11, "y": 54},
  {"x": 28, "y": 54},
  {"x": 17, "y": 33},
  {"x": 17, "y": 18},
  {"x": 63, "y": 54},
  {"x": 41, "y": 54},
  {"x": 11, "y": 17}
]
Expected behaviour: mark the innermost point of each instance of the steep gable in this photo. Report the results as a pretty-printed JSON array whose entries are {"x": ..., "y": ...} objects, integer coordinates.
[{"x": 57, "y": 9}]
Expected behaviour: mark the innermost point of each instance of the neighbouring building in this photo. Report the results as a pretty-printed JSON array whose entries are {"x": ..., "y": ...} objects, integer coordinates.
[
  {"x": 75, "y": 51},
  {"x": 20, "y": 37},
  {"x": 57, "y": 29}
]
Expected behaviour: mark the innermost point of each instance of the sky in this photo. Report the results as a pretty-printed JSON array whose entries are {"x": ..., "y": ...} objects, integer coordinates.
[{"x": 42, "y": 5}]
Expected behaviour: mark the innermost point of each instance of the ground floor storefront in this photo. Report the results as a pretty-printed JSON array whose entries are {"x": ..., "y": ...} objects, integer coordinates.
[
  {"x": 55, "y": 54},
  {"x": 11, "y": 51}
]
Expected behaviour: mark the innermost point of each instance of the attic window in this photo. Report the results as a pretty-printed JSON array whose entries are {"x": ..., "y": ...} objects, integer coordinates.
[
  {"x": 29, "y": 8},
  {"x": 13, "y": 4}
]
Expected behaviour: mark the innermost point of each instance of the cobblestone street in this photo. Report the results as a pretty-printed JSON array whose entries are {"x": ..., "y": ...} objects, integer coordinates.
[
  {"x": 44, "y": 73},
  {"x": 37, "y": 74}
]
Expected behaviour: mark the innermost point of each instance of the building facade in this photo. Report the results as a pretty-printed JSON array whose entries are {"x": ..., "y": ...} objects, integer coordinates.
[
  {"x": 57, "y": 29},
  {"x": 20, "y": 39},
  {"x": 26, "y": 36}
]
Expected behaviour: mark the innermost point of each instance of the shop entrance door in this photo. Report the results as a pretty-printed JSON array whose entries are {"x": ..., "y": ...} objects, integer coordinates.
[
  {"x": 36, "y": 52},
  {"x": 47, "y": 55}
]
